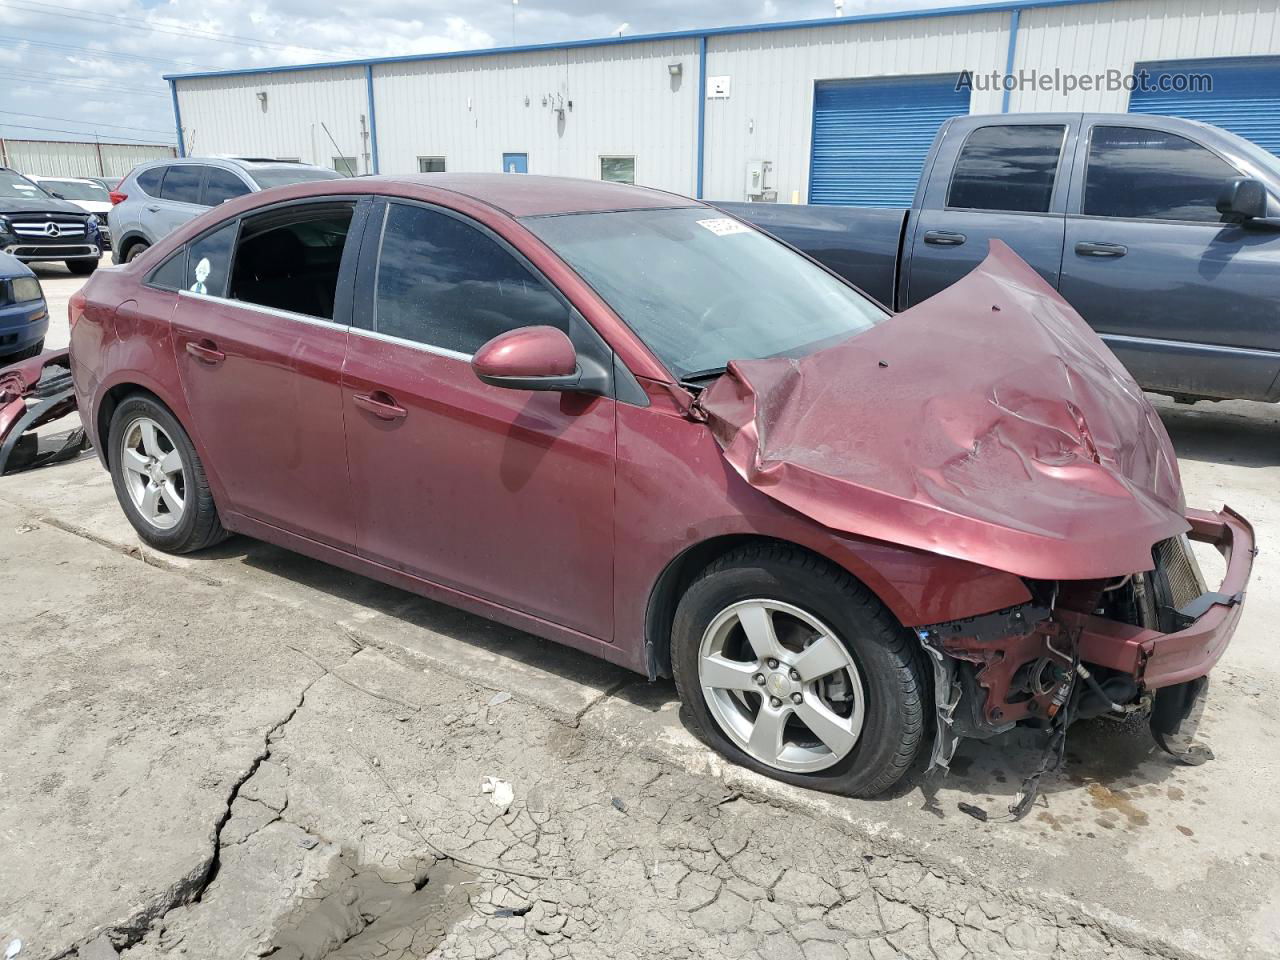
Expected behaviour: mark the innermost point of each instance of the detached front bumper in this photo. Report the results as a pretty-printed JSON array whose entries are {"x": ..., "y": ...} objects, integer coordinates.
[{"x": 1157, "y": 660}]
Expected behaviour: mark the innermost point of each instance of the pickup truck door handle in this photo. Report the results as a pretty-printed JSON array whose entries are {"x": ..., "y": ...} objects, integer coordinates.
[
  {"x": 944, "y": 238},
  {"x": 1091, "y": 248},
  {"x": 206, "y": 352},
  {"x": 381, "y": 405}
]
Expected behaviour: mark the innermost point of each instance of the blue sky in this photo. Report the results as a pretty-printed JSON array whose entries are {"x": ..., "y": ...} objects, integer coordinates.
[{"x": 73, "y": 68}]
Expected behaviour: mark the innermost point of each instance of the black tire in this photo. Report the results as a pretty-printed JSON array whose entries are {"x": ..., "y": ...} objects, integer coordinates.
[
  {"x": 135, "y": 250},
  {"x": 199, "y": 526},
  {"x": 888, "y": 657},
  {"x": 82, "y": 268},
  {"x": 26, "y": 353}
]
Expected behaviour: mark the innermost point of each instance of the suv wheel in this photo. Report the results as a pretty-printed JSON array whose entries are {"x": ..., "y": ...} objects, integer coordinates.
[
  {"x": 792, "y": 668},
  {"x": 135, "y": 250},
  {"x": 159, "y": 479},
  {"x": 82, "y": 268}
]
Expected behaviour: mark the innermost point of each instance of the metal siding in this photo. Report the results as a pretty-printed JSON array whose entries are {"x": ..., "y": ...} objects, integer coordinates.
[
  {"x": 1089, "y": 40},
  {"x": 769, "y": 113},
  {"x": 1245, "y": 98},
  {"x": 871, "y": 137},
  {"x": 54, "y": 158},
  {"x": 222, "y": 115},
  {"x": 625, "y": 103}
]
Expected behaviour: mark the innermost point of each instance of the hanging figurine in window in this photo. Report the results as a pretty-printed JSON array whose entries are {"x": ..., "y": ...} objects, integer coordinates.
[{"x": 203, "y": 268}]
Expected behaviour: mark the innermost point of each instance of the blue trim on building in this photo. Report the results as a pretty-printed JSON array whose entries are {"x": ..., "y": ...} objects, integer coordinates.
[
  {"x": 373, "y": 115},
  {"x": 177, "y": 117},
  {"x": 952, "y": 11},
  {"x": 702, "y": 115},
  {"x": 1014, "y": 17}
]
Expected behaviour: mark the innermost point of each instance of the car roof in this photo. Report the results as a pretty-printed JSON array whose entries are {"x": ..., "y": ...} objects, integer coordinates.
[{"x": 529, "y": 195}]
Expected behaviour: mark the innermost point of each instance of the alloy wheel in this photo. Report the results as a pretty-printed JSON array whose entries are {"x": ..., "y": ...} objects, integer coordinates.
[
  {"x": 153, "y": 473},
  {"x": 781, "y": 685}
]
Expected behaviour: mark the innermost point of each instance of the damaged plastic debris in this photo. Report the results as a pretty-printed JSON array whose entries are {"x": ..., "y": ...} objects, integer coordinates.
[
  {"x": 501, "y": 793},
  {"x": 32, "y": 393}
]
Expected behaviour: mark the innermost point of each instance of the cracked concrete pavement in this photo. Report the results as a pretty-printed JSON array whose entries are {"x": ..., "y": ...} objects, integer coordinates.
[{"x": 245, "y": 752}]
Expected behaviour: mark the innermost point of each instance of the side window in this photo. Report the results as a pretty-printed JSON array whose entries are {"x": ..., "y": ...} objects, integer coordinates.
[
  {"x": 1151, "y": 175},
  {"x": 182, "y": 183},
  {"x": 444, "y": 283},
  {"x": 223, "y": 185},
  {"x": 289, "y": 259},
  {"x": 149, "y": 180},
  {"x": 170, "y": 274},
  {"x": 1007, "y": 167},
  {"x": 209, "y": 262}
]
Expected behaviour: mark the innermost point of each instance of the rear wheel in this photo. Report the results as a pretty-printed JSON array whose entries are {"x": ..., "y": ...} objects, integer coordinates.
[
  {"x": 159, "y": 479},
  {"x": 135, "y": 250},
  {"x": 792, "y": 668},
  {"x": 82, "y": 268}
]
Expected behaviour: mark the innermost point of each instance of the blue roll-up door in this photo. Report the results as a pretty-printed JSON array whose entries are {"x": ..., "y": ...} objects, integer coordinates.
[
  {"x": 870, "y": 137},
  {"x": 1245, "y": 98}
]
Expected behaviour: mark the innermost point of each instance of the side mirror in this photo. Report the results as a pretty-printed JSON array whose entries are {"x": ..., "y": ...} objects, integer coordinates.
[
  {"x": 1243, "y": 199},
  {"x": 531, "y": 358}
]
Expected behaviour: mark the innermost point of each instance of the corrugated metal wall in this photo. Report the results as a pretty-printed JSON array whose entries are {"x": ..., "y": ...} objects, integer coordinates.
[
  {"x": 769, "y": 113},
  {"x": 55, "y": 158},
  {"x": 1093, "y": 38},
  {"x": 625, "y": 102},
  {"x": 224, "y": 115}
]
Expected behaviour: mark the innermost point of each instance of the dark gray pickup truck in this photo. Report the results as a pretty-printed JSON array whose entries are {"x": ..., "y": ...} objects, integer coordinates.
[{"x": 1164, "y": 233}]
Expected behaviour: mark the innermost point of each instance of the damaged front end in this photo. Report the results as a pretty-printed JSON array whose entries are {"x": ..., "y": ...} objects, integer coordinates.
[
  {"x": 1142, "y": 643},
  {"x": 33, "y": 393}
]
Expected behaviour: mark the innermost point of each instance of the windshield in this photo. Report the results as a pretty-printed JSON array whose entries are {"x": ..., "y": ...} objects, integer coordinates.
[
  {"x": 77, "y": 190},
  {"x": 701, "y": 289},
  {"x": 13, "y": 187},
  {"x": 268, "y": 177}
]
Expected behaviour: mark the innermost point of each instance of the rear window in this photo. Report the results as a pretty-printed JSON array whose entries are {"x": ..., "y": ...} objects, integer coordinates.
[
  {"x": 1007, "y": 167},
  {"x": 182, "y": 183},
  {"x": 149, "y": 180},
  {"x": 269, "y": 177}
]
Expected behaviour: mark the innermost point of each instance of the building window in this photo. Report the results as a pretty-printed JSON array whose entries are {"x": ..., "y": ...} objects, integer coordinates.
[
  {"x": 431, "y": 164},
  {"x": 345, "y": 166},
  {"x": 618, "y": 169}
]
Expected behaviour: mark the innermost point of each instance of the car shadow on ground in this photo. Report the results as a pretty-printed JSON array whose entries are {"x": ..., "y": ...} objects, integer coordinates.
[{"x": 1237, "y": 431}]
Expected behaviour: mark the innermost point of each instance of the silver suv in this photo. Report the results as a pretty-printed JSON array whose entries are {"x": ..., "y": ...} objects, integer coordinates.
[{"x": 156, "y": 198}]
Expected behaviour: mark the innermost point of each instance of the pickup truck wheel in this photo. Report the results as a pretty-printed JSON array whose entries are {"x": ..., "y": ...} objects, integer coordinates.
[
  {"x": 159, "y": 479},
  {"x": 792, "y": 668}
]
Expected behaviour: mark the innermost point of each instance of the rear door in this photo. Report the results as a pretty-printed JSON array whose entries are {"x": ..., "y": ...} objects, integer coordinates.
[
  {"x": 1186, "y": 300},
  {"x": 1008, "y": 180},
  {"x": 179, "y": 199},
  {"x": 259, "y": 332}
]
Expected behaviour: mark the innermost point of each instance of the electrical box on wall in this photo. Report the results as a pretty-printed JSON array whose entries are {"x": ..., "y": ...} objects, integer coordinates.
[{"x": 760, "y": 187}]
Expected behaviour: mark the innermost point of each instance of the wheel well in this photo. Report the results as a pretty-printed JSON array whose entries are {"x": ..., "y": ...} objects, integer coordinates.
[
  {"x": 128, "y": 242},
  {"x": 673, "y": 582},
  {"x": 110, "y": 400}
]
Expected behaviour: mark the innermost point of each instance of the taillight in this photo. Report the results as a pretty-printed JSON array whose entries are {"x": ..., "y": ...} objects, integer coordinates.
[
  {"x": 75, "y": 308},
  {"x": 117, "y": 197}
]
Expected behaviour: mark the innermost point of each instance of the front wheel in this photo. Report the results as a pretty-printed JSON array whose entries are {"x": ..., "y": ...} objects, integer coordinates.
[
  {"x": 82, "y": 268},
  {"x": 159, "y": 479},
  {"x": 792, "y": 668}
]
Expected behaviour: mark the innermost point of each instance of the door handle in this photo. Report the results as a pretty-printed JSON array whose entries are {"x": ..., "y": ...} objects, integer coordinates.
[
  {"x": 1091, "y": 248},
  {"x": 205, "y": 352},
  {"x": 381, "y": 405},
  {"x": 153, "y": 209},
  {"x": 944, "y": 238}
]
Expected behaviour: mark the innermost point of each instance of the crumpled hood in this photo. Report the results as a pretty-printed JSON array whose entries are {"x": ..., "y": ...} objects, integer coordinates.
[{"x": 989, "y": 423}]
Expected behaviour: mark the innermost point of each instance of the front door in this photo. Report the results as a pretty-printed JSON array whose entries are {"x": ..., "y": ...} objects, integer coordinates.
[
  {"x": 503, "y": 494},
  {"x": 1008, "y": 182},
  {"x": 259, "y": 333},
  {"x": 1186, "y": 300},
  {"x": 515, "y": 163}
]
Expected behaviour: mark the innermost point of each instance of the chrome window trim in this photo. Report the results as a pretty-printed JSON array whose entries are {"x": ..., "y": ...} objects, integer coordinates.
[{"x": 402, "y": 342}]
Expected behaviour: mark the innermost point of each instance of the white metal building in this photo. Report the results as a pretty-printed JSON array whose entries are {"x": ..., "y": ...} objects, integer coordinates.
[{"x": 828, "y": 111}]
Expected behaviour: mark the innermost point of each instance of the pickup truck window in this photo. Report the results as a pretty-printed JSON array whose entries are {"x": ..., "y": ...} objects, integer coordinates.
[
  {"x": 1143, "y": 174},
  {"x": 1007, "y": 167}
]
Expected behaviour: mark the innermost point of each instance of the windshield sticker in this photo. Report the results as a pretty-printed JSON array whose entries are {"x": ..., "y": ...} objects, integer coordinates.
[
  {"x": 724, "y": 226},
  {"x": 203, "y": 269}
]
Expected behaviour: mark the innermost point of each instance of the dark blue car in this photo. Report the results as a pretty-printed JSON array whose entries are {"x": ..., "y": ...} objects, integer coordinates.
[{"x": 24, "y": 315}]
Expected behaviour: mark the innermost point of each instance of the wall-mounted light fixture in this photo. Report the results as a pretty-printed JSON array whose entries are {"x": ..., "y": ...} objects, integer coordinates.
[
  {"x": 262, "y": 100},
  {"x": 675, "y": 69}
]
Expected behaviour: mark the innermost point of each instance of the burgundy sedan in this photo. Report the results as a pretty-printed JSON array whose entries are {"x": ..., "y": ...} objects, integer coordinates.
[{"x": 619, "y": 419}]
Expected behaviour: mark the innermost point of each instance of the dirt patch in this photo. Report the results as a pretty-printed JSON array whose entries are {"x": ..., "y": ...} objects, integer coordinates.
[{"x": 1107, "y": 800}]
